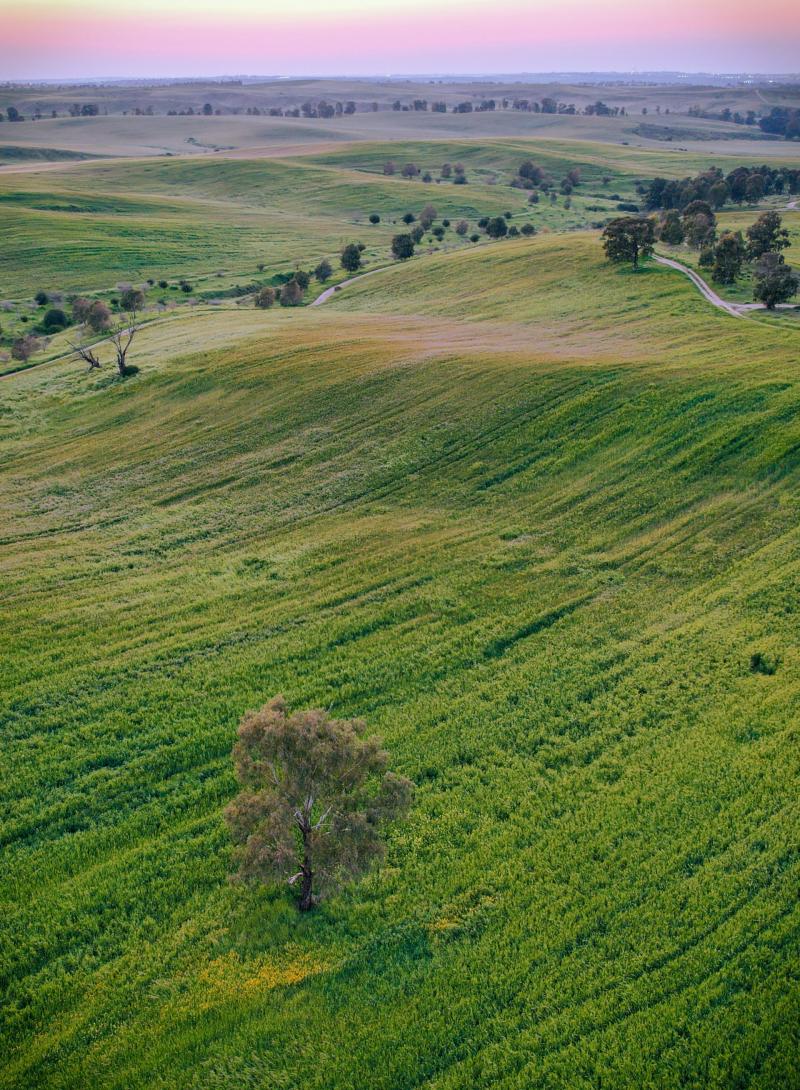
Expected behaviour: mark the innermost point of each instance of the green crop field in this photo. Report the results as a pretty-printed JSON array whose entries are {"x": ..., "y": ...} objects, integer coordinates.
[{"x": 533, "y": 518}]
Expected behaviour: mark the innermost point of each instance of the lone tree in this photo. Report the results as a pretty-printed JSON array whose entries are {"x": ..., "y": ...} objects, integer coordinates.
[
  {"x": 774, "y": 281},
  {"x": 629, "y": 238},
  {"x": 315, "y": 796},
  {"x": 132, "y": 299},
  {"x": 402, "y": 247},
  {"x": 323, "y": 271},
  {"x": 729, "y": 254},
  {"x": 121, "y": 337},
  {"x": 351, "y": 257},
  {"x": 766, "y": 235}
]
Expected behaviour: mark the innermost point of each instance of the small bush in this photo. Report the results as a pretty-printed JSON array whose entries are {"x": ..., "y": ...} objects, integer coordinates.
[
  {"x": 265, "y": 298},
  {"x": 374, "y": 218},
  {"x": 55, "y": 320}
]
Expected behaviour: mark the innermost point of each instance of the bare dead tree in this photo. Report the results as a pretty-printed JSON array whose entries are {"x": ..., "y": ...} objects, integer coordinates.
[
  {"x": 122, "y": 338},
  {"x": 85, "y": 353}
]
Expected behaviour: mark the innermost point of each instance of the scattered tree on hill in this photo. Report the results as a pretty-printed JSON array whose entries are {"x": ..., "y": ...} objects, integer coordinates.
[
  {"x": 410, "y": 170},
  {"x": 303, "y": 279},
  {"x": 265, "y": 298},
  {"x": 402, "y": 247},
  {"x": 315, "y": 797},
  {"x": 41, "y": 298},
  {"x": 774, "y": 281},
  {"x": 417, "y": 234},
  {"x": 754, "y": 190},
  {"x": 389, "y": 167},
  {"x": 629, "y": 238},
  {"x": 351, "y": 257},
  {"x": 497, "y": 227},
  {"x": 766, "y": 235},
  {"x": 461, "y": 227},
  {"x": 427, "y": 216},
  {"x": 446, "y": 170},
  {"x": 408, "y": 217},
  {"x": 131, "y": 299},
  {"x": 374, "y": 218},
  {"x": 208, "y": 109},
  {"x": 729, "y": 255},
  {"x": 97, "y": 316},
  {"x": 528, "y": 229},
  {"x": 323, "y": 271}
]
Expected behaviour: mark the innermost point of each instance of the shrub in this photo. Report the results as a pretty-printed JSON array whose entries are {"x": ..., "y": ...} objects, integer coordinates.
[
  {"x": 408, "y": 217},
  {"x": 417, "y": 234},
  {"x": 55, "y": 320},
  {"x": 303, "y": 279},
  {"x": 374, "y": 218},
  {"x": 513, "y": 231},
  {"x": 24, "y": 347},
  {"x": 265, "y": 298},
  {"x": 445, "y": 223},
  {"x": 438, "y": 232},
  {"x": 462, "y": 227},
  {"x": 163, "y": 284},
  {"x": 528, "y": 229},
  {"x": 41, "y": 298},
  {"x": 474, "y": 238}
]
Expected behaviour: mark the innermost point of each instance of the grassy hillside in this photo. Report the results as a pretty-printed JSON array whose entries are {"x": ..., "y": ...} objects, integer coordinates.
[{"x": 533, "y": 519}]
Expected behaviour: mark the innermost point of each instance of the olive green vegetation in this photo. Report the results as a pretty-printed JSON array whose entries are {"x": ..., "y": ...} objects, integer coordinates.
[
  {"x": 534, "y": 518},
  {"x": 215, "y": 219}
]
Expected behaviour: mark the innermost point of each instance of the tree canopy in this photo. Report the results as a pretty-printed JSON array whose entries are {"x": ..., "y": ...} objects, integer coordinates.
[
  {"x": 629, "y": 238},
  {"x": 316, "y": 795}
]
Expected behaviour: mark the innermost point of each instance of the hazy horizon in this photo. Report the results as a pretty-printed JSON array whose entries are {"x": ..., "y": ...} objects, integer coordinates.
[{"x": 177, "y": 39}]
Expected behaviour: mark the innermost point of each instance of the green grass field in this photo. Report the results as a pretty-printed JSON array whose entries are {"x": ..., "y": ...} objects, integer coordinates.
[{"x": 531, "y": 517}]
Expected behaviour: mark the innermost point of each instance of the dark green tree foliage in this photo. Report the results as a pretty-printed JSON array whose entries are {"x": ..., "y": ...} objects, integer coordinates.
[
  {"x": 303, "y": 279},
  {"x": 316, "y": 795},
  {"x": 670, "y": 228},
  {"x": 402, "y": 247},
  {"x": 323, "y": 271},
  {"x": 774, "y": 281},
  {"x": 55, "y": 320},
  {"x": 628, "y": 239},
  {"x": 766, "y": 235},
  {"x": 729, "y": 255},
  {"x": 497, "y": 227},
  {"x": 374, "y": 218},
  {"x": 351, "y": 257},
  {"x": 699, "y": 224}
]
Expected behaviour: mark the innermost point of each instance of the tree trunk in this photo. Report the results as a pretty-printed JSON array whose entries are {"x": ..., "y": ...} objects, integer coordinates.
[
  {"x": 307, "y": 886},
  {"x": 306, "y": 896}
]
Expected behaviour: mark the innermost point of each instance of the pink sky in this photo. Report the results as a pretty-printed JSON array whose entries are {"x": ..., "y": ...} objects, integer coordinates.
[{"x": 64, "y": 38}]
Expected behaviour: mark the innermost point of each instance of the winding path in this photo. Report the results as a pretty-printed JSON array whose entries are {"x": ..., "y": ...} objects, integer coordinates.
[{"x": 736, "y": 310}]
